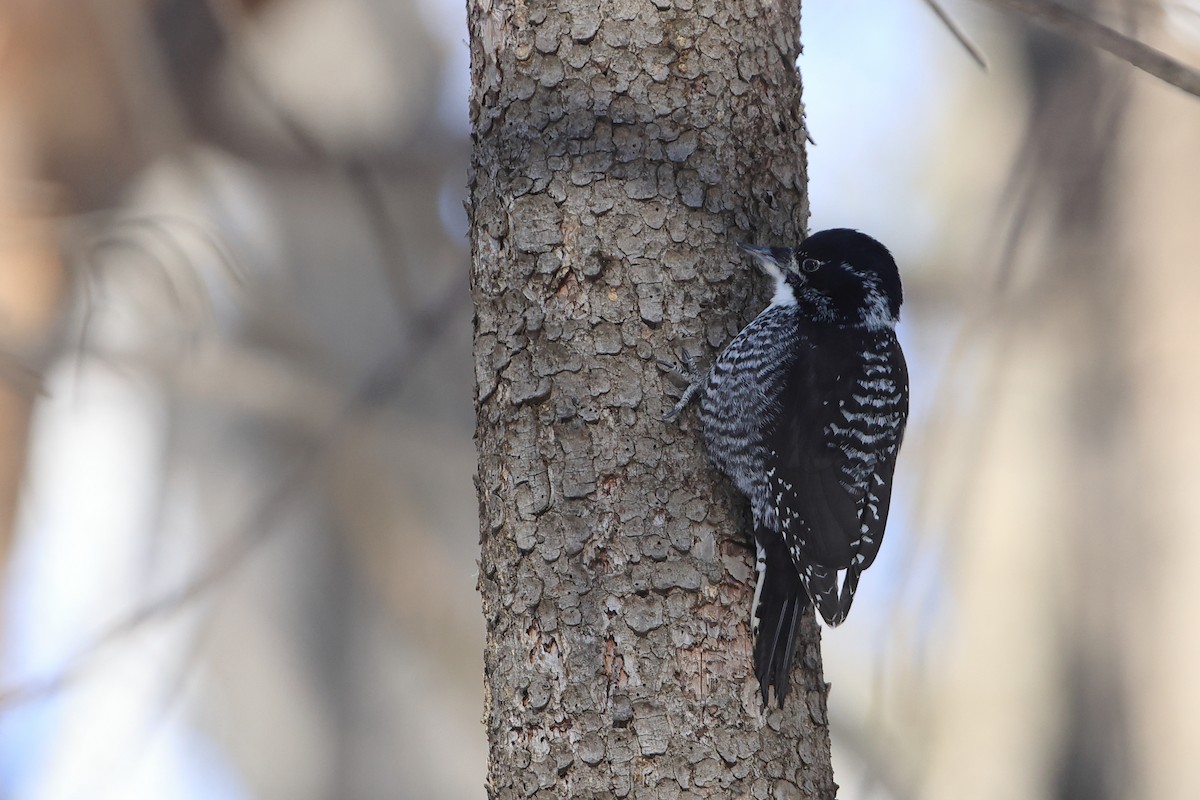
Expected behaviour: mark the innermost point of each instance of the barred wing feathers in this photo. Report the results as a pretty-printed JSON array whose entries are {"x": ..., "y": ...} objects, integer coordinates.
[{"x": 831, "y": 452}]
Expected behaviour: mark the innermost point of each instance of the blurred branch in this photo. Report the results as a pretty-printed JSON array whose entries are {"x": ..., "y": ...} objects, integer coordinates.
[
  {"x": 93, "y": 233},
  {"x": 958, "y": 33},
  {"x": 383, "y": 383},
  {"x": 1095, "y": 34},
  {"x": 255, "y": 531},
  {"x": 356, "y": 173}
]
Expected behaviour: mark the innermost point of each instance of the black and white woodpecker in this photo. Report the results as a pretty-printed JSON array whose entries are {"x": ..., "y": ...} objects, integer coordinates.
[{"x": 805, "y": 411}]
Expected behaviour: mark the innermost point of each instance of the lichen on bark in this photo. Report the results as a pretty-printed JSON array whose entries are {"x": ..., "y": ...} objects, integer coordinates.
[{"x": 621, "y": 148}]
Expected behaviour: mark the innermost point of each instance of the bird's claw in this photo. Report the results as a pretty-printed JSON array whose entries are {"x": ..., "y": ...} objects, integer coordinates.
[
  {"x": 683, "y": 377},
  {"x": 682, "y": 372},
  {"x": 677, "y": 374}
]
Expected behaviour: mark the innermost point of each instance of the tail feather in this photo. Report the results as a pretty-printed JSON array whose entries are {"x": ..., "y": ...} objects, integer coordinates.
[
  {"x": 822, "y": 587},
  {"x": 849, "y": 587},
  {"x": 781, "y": 601}
]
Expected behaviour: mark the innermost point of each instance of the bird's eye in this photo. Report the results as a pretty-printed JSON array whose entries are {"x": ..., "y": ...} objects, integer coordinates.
[{"x": 810, "y": 265}]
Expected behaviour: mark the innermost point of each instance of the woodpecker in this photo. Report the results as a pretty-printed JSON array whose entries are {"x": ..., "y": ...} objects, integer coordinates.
[{"x": 805, "y": 411}]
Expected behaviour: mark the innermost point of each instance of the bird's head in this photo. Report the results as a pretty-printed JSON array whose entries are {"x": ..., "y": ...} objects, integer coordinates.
[{"x": 839, "y": 276}]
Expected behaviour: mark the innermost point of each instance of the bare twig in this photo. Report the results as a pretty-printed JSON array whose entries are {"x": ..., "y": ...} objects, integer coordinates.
[
  {"x": 1090, "y": 32},
  {"x": 255, "y": 530},
  {"x": 356, "y": 172},
  {"x": 958, "y": 33},
  {"x": 383, "y": 383}
]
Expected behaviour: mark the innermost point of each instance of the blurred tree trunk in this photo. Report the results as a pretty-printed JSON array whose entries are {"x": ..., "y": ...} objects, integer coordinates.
[
  {"x": 32, "y": 275},
  {"x": 1158, "y": 212},
  {"x": 620, "y": 150},
  {"x": 1051, "y": 510}
]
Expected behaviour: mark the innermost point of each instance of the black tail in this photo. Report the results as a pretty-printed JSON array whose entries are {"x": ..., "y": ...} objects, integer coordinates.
[
  {"x": 780, "y": 605},
  {"x": 822, "y": 586}
]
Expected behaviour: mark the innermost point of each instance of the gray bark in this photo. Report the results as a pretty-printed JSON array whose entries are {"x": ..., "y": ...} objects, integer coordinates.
[{"x": 621, "y": 148}]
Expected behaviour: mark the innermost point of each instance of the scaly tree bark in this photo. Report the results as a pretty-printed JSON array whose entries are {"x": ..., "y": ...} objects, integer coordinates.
[{"x": 621, "y": 148}]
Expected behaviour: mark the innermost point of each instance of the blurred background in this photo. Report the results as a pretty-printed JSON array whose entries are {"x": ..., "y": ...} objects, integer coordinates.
[{"x": 237, "y": 522}]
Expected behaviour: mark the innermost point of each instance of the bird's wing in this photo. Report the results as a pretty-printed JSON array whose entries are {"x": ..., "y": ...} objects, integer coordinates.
[{"x": 832, "y": 450}]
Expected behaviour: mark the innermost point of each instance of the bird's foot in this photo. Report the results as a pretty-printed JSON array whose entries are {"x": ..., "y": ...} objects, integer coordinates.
[{"x": 685, "y": 382}]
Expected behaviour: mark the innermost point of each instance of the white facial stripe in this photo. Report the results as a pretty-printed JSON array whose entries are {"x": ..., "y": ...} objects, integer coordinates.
[{"x": 784, "y": 296}]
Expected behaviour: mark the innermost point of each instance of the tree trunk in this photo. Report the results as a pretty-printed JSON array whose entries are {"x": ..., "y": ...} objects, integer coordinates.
[{"x": 621, "y": 148}]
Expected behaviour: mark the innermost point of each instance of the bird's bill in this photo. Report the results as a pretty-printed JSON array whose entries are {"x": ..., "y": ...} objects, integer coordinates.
[{"x": 770, "y": 260}]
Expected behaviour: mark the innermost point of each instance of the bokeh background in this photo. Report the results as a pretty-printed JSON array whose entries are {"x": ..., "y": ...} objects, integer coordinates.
[{"x": 237, "y": 522}]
